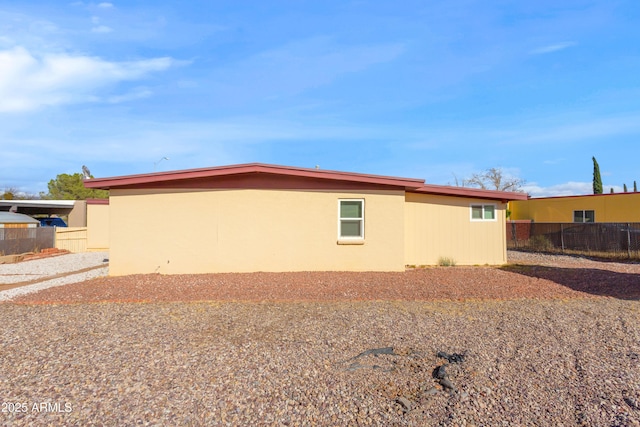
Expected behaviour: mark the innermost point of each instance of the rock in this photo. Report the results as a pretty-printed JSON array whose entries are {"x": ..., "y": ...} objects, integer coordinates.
[
  {"x": 439, "y": 372},
  {"x": 405, "y": 403},
  {"x": 377, "y": 352},
  {"x": 354, "y": 367},
  {"x": 431, "y": 391},
  {"x": 633, "y": 404},
  {"x": 451, "y": 358},
  {"x": 448, "y": 385}
]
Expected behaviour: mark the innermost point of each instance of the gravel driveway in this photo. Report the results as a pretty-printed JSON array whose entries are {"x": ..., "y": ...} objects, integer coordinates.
[{"x": 568, "y": 353}]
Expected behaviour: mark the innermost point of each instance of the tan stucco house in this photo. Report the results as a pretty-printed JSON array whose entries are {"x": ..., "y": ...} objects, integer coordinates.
[{"x": 259, "y": 217}]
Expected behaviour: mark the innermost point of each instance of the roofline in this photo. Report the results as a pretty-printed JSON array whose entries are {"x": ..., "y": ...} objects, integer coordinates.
[
  {"x": 407, "y": 184},
  {"x": 475, "y": 193},
  {"x": 16, "y": 218},
  {"x": 97, "y": 201},
  {"x": 584, "y": 195},
  {"x": 129, "y": 180}
]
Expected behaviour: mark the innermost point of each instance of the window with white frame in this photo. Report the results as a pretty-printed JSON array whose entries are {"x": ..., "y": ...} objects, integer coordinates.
[
  {"x": 584, "y": 216},
  {"x": 483, "y": 212},
  {"x": 351, "y": 219}
]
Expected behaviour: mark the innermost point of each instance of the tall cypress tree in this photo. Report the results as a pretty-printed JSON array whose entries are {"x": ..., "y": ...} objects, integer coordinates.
[
  {"x": 635, "y": 187},
  {"x": 597, "y": 179},
  {"x": 624, "y": 187}
]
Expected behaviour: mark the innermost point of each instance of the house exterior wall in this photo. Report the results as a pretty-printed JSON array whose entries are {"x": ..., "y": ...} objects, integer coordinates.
[
  {"x": 623, "y": 207},
  {"x": 78, "y": 215},
  {"x": 173, "y": 231},
  {"x": 439, "y": 226},
  {"x": 97, "y": 227}
]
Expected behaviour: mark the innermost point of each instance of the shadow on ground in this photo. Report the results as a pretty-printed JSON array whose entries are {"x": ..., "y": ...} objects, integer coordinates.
[{"x": 593, "y": 281}]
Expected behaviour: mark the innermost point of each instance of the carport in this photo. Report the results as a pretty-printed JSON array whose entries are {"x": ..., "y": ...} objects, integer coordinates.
[{"x": 74, "y": 210}]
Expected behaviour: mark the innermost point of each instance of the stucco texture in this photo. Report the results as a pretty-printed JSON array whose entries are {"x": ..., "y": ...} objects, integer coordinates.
[
  {"x": 188, "y": 231},
  {"x": 623, "y": 207},
  {"x": 440, "y": 227},
  {"x": 97, "y": 227}
]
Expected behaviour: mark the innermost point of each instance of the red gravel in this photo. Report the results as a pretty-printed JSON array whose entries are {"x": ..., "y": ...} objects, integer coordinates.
[
  {"x": 514, "y": 281},
  {"x": 569, "y": 357}
]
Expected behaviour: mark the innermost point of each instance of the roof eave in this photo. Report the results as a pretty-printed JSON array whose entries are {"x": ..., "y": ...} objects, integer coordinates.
[
  {"x": 132, "y": 180},
  {"x": 474, "y": 193}
]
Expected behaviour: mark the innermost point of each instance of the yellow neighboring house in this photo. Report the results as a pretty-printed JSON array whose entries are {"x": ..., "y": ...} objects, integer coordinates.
[
  {"x": 611, "y": 207},
  {"x": 259, "y": 217}
]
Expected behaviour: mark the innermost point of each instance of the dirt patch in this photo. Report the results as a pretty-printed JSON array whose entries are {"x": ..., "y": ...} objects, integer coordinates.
[{"x": 28, "y": 256}]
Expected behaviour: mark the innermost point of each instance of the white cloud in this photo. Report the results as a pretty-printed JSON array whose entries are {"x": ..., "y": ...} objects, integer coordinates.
[
  {"x": 552, "y": 48},
  {"x": 299, "y": 66},
  {"x": 101, "y": 29},
  {"x": 565, "y": 130},
  {"x": 105, "y": 5},
  {"x": 553, "y": 161},
  {"x": 28, "y": 82},
  {"x": 133, "y": 95},
  {"x": 578, "y": 130},
  {"x": 570, "y": 188},
  {"x": 95, "y": 20}
]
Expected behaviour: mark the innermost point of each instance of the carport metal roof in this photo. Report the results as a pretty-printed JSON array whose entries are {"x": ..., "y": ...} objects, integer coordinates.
[
  {"x": 16, "y": 218},
  {"x": 38, "y": 207}
]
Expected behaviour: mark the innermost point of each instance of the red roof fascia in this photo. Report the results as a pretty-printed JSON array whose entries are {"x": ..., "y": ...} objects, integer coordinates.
[
  {"x": 97, "y": 201},
  {"x": 475, "y": 193},
  {"x": 584, "y": 195},
  {"x": 132, "y": 180}
]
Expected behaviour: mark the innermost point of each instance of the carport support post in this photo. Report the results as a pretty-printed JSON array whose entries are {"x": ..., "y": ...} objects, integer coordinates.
[{"x": 562, "y": 236}]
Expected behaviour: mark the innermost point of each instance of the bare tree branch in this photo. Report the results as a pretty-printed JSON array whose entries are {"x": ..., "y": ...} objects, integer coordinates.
[
  {"x": 13, "y": 193},
  {"x": 494, "y": 179}
]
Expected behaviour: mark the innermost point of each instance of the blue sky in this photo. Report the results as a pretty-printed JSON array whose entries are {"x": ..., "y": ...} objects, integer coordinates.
[{"x": 436, "y": 90}]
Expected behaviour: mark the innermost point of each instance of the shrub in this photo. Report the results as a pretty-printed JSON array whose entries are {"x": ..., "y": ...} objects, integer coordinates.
[
  {"x": 541, "y": 244},
  {"x": 446, "y": 262}
]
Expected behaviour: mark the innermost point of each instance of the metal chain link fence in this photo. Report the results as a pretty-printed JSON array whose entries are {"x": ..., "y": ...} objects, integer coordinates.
[{"x": 614, "y": 239}]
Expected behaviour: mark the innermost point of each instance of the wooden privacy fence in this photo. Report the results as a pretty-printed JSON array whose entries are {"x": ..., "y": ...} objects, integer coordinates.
[{"x": 73, "y": 239}]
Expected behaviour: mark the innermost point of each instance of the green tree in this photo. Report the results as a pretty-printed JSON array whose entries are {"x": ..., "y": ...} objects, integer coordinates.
[
  {"x": 635, "y": 187},
  {"x": 71, "y": 187},
  {"x": 610, "y": 190},
  {"x": 11, "y": 193},
  {"x": 624, "y": 188},
  {"x": 8, "y": 194},
  {"x": 597, "y": 179}
]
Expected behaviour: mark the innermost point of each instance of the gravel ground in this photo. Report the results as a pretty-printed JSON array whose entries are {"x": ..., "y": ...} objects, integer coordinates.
[
  {"x": 32, "y": 276},
  {"x": 46, "y": 267},
  {"x": 566, "y": 355}
]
